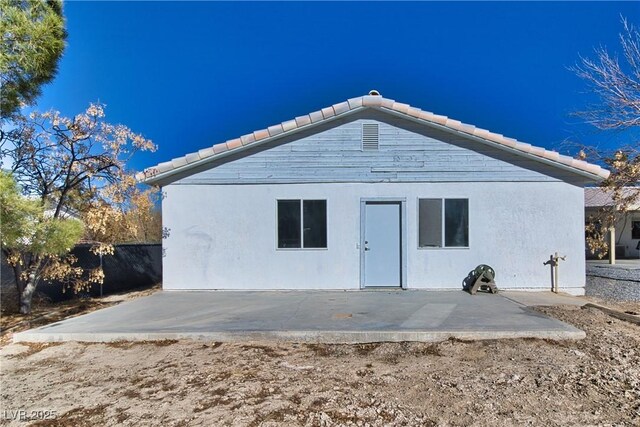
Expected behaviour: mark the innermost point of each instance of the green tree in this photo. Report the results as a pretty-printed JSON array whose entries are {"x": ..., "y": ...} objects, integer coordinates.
[
  {"x": 33, "y": 240},
  {"x": 33, "y": 39},
  {"x": 72, "y": 166}
]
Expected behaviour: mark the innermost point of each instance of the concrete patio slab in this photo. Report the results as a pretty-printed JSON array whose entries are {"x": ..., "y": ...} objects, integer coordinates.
[
  {"x": 308, "y": 316},
  {"x": 543, "y": 298}
]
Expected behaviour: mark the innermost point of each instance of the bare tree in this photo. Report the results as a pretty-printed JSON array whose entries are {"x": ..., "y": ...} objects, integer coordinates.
[
  {"x": 617, "y": 85},
  {"x": 71, "y": 166}
]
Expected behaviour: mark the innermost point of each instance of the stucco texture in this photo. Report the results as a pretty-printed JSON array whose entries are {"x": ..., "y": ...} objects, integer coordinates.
[{"x": 224, "y": 236}]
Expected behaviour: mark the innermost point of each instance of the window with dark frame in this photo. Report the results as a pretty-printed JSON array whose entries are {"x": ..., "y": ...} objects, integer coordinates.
[
  {"x": 635, "y": 229},
  {"x": 456, "y": 223},
  {"x": 302, "y": 224},
  {"x": 429, "y": 223},
  {"x": 289, "y": 224},
  {"x": 443, "y": 223}
]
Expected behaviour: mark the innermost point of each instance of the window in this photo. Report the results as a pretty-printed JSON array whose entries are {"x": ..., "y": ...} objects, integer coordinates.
[
  {"x": 443, "y": 223},
  {"x": 314, "y": 223},
  {"x": 302, "y": 224},
  {"x": 429, "y": 223},
  {"x": 456, "y": 223},
  {"x": 289, "y": 224},
  {"x": 635, "y": 229}
]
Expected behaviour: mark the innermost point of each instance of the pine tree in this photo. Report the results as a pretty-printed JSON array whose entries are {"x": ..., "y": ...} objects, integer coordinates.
[{"x": 33, "y": 39}]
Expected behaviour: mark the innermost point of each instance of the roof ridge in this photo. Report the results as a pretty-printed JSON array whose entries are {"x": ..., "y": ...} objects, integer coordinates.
[{"x": 359, "y": 103}]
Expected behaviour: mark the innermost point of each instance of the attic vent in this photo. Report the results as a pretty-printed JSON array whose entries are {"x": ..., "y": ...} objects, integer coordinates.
[{"x": 370, "y": 136}]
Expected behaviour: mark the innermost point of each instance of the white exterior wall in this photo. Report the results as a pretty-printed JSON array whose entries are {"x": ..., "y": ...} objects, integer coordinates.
[
  {"x": 224, "y": 236},
  {"x": 624, "y": 236}
]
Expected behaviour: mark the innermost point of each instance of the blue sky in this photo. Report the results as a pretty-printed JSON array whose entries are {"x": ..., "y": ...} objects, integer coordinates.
[{"x": 189, "y": 75}]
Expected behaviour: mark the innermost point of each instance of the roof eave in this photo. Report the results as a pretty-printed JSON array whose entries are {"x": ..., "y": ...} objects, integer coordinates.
[
  {"x": 586, "y": 174},
  {"x": 153, "y": 180},
  {"x": 390, "y": 107}
]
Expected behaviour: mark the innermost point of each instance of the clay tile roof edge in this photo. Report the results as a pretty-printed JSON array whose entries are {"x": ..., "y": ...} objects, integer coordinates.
[{"x": 157, "y": 173}]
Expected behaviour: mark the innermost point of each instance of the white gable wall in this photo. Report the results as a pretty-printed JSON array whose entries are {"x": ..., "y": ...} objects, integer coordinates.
[
  {"x": 409, "y": 152},
  {"x": 222, "y": 218},
  {"x": 224, "y": 236}
]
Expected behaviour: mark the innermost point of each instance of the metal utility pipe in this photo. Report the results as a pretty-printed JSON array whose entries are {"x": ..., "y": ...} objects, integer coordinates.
[{"x": 553, "y": 262}]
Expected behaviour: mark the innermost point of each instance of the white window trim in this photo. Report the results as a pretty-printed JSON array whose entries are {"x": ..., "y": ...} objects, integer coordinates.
[
  {"x": 442, "y": 229},
  {"x": 301, "y": 248}
]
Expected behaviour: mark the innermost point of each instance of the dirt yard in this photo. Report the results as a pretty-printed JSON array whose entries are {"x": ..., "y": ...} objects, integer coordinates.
[{"x": 595, "y": 381}]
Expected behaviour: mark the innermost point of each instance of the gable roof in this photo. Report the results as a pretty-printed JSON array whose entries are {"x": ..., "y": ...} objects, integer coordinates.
[
  {"x": 596, "y": 197},
  {"x": 160, "y": 172}
]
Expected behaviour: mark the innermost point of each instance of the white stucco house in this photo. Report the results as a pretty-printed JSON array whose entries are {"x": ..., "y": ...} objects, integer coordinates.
[
  {"x": 371, "y": 193},
  {"x": 627, "y": 227}
]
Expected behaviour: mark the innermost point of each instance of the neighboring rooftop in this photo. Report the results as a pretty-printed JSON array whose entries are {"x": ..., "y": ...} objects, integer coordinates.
[
  {"x": 595, "y": 197},
  {"x": 373, "y": 101}
]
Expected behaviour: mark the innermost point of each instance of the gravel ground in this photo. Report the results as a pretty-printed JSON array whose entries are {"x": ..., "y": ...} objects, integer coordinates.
[
  {"x": 592, "y": 382},
  {"x": 613, "y": 283},
  {"x": 619, "y": 272}
]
